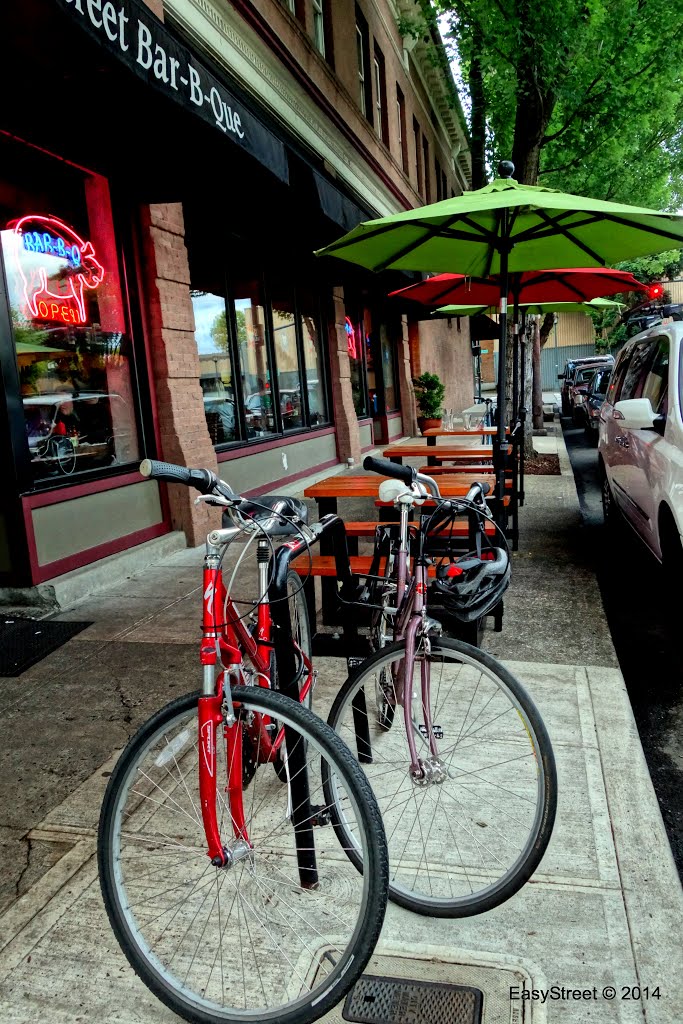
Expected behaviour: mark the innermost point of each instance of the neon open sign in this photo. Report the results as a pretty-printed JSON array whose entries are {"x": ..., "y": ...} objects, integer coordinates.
[{"x": 55, "y": 290}]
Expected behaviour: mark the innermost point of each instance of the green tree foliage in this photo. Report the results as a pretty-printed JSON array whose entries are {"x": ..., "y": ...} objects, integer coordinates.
[
  {"x": 219, "y": 330},
  {"x": 653, "y": 268},
  {"x": 584, "y": 95}
]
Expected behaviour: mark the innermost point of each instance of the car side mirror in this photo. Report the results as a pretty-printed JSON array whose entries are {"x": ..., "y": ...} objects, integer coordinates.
[
  {"x": 560, "y": 376},
  {"x": 636, "y": 414}
]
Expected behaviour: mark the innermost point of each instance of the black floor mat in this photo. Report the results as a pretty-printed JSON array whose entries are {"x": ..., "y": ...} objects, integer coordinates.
[{"x": 24, "y": 642}]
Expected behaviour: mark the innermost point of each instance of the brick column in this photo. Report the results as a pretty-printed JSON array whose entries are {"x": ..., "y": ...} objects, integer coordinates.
[
  {"x": 184, "y": 434},
  {"x": 405, "y": 380},
  {"x": 345, "y": 418}
]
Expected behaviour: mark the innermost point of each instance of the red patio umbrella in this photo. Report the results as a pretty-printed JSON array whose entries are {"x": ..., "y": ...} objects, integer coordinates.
[{"x": 533, "y": 286}]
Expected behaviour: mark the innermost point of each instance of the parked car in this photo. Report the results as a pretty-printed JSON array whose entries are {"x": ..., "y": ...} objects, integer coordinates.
[
  {"x": 640, "y": 448},
  {"x": 568, "y": 375},
  {"x": 587, "y": 407},
  {"x": 578, "y": 389}
]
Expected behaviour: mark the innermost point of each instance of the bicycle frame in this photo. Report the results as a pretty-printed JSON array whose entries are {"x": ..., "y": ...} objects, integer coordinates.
[{"x": 226, "y": 639}]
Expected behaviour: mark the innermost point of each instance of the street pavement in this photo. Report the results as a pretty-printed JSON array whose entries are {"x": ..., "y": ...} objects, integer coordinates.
[{"x": 597, "y": 932}]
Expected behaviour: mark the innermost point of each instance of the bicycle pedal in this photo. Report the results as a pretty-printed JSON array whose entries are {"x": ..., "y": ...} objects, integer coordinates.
[
  {"x": 437, "y": 731},
  {"x": 320, "y": 815}
]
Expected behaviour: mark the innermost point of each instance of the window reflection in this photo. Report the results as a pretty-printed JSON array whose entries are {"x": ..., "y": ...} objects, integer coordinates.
[
  {"x": 386, "y": 348},
  {"x": 255, "y": 369},
  {"x": 355, "y": 343},
  {"x": 70, "y": 334},
  {"x": 313, "y": 361},
  {"x": 215, "y": 361},
  {"x": 287, "y": 358}
]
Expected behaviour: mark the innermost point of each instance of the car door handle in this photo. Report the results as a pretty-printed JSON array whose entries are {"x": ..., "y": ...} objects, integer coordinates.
[{"x": 623, "y": 440}]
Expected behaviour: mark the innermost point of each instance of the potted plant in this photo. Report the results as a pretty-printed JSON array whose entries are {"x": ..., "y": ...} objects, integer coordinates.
[{"x": 429, "y": 392}]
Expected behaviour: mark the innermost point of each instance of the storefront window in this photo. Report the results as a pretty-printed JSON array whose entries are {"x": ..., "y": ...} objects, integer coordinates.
[
  {"x": 255, "y": 368},
  {"x": 215, "y": 362},
  {"x": 287, "y": 357},
  {"x": 314, "y": 367},
  {"x": 388, "y": 375},
  {"x": 71, "y": 338},
  {"x": 355, "y": 340}
]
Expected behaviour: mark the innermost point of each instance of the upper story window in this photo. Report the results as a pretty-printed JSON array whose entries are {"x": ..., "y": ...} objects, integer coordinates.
[
  {"x": 427, "y": 177},
  {"x": 401, "y": 128},
  {"x": 319, "y": 25},
  {"x": 363, "y": 58},
  {"x": 439, "y": 181},
  {"x": 418, "y": 161},
  {"x": 381, "y": 119}
]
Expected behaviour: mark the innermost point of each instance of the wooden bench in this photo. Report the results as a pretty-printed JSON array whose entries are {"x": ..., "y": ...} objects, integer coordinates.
[
  {"x": 458, "y": 529},
  {"x": 325, "y": 565},
  {"x": 484, "y": 470},
  {"x": 442, "y": 453}
]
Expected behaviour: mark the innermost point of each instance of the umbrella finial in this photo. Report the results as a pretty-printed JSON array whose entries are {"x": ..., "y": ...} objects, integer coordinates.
[{"x": 506, "y": 169}]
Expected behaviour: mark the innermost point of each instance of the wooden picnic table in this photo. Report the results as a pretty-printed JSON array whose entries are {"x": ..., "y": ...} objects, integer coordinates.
[
  {"x": 433, "y": 432},
  {"x": 434, "y": 456},
  {"x": 327, "y": 492}
]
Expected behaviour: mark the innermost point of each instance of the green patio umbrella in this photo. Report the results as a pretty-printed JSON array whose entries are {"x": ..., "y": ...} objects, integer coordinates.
[{"x": 507, "y": 227}]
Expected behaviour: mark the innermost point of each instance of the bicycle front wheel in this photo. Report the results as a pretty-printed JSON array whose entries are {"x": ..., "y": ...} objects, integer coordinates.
[
  {"x": 244, "y": 942},
  {"x": 471, "y": 832}
]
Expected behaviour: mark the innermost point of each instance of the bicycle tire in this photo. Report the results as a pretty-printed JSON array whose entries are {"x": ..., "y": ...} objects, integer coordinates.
[
  {"x": 301, "y": 627},
  {"x": 441, "y": 878},
  {"x": 132, "y": 834}
]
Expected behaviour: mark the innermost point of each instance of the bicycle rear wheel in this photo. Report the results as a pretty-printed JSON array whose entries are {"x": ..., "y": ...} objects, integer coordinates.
[
  {"x": 469, "y": 836},
  {"x": 247, "y": 942}
]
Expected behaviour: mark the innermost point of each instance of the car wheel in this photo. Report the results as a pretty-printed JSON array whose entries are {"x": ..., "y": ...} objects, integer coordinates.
[{"x": 591, "y": 434}]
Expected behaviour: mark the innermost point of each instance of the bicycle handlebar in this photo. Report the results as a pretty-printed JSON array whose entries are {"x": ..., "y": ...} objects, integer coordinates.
[
  {"x": 202, "y": 480},
  {"x": 406, "y": 474}
]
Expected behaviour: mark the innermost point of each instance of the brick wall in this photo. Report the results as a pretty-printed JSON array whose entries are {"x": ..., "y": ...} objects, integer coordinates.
[
  {"x": 444, "y": 350},
  {"x": 170, "y": 321},
  {"x": 345, "y": 419},
  {"x": 337, "y": 82}
]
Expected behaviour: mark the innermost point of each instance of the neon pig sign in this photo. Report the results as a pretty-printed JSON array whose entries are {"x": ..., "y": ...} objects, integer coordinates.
[{"x": 56, "y": 266}]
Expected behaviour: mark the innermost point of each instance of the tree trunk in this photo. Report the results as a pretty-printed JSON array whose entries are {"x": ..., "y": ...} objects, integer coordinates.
[
  {"x": 478, "y": 114},
  {"x": 528, "y": 382},
  {"x": 546, "y": 327},
  {"x": 537, "y": 403}
]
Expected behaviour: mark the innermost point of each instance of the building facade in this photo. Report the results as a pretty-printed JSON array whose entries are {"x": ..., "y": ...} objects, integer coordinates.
[{"x": 168, "y": 171}]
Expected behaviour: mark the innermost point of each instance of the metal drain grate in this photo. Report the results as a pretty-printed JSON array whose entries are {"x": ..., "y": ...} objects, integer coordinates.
[{"x": 375, "y": 1000}]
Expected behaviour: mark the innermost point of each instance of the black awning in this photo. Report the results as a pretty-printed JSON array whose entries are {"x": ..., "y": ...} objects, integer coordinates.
[
  {"x": 337, "y": 206},
  {"x": 151, "y": 51}
]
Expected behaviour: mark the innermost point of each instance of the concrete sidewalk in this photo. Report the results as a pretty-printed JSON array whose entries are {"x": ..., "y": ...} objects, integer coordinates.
[{"x": 605, "y": 909}]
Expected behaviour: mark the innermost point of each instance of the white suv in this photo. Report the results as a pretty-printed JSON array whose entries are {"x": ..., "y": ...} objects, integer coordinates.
[{"x": 641, "y": 443}]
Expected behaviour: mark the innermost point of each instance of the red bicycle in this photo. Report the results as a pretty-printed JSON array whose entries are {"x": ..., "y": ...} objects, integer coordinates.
[{"x": 227, "y": 869}]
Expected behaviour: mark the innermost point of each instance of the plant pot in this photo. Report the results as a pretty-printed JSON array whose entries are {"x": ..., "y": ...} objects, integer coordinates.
[{"x": 427, "y": 423}]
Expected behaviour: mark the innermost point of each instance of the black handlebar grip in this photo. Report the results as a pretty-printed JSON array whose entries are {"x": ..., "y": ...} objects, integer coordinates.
[
  {"x": 386, "y": 468},
  {"x": 202, "y": 479},
  {"x": 476, "y": 490}
]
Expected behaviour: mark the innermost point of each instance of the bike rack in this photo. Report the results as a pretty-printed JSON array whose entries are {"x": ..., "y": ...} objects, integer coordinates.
[{"x": 288, "y": 671}]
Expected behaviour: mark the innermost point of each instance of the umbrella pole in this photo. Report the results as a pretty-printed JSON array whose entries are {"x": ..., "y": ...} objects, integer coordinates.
[
  {"x": 515, "y": 360},
  {"x": 499, "y": 460}
]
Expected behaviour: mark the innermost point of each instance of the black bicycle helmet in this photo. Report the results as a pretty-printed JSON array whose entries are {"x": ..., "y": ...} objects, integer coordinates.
[{"x": 473, "y": 585}]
